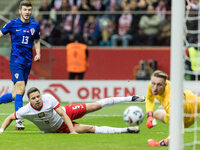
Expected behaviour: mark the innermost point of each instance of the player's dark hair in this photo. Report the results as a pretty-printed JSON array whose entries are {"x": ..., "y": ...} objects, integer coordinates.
[
  {"x": 26, "y": 3},
  {"x": 160, "y": 74},
  {"x": 31, "y": 90}
]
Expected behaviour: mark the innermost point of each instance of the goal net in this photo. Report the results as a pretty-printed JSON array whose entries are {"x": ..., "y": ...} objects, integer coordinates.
[
  {"x": 185, "y": 41},
  {"x": 192, "y": 69}
]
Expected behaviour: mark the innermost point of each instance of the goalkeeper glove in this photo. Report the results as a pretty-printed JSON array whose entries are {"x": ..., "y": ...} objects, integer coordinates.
[
  {"x": 151, "y": 121},
  {"x": 152, "y": 142}
]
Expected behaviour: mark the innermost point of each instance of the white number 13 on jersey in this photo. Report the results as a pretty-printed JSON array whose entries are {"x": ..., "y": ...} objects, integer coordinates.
[{"x": 25, "y": 39}]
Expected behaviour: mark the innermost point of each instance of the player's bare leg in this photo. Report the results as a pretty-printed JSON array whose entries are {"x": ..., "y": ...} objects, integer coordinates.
[
  {"x": 80, "y": 128},
  {"x": 159, "y": 114},
  {"x": 17, "y": 93},
  {"x": 19, "y": 88},
  {"x": 91, "y": 107}
]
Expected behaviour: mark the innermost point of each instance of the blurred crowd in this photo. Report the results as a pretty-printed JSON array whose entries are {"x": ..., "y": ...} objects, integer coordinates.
[{"x": 62, "y": 20}]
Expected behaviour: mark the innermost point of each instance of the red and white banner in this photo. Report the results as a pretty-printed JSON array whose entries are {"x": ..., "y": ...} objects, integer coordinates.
[
  {"x": 89, "y": 90},
  {"x": 86, "y": 90}
]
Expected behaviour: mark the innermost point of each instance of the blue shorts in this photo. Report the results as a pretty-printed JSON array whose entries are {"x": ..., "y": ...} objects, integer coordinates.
[{"x": 19, "y": 71}]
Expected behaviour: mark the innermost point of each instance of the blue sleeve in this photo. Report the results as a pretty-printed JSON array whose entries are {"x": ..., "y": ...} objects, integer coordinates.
[{"x": 6, "y": 28}]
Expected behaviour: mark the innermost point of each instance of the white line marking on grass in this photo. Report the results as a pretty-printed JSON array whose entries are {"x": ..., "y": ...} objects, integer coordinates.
[
  {"x": 4, "y": 114},
  {"x": 100, "y": 115},
  {"x": 104, "y": 115},
  {"x": 23, "y": 131},
  {"x": 158, "y": 132},
  {"x": 58, "y": 133}
]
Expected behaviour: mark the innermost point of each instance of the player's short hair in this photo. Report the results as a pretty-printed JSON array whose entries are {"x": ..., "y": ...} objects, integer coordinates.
[
  {"x": 31, "y": 90},
  {"x": 26, "y": 3},
  {"x": 160, "y": 74}
]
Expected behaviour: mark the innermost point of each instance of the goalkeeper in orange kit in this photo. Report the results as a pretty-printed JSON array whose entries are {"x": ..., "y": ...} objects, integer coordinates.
[{"x": 159, "y": 88}]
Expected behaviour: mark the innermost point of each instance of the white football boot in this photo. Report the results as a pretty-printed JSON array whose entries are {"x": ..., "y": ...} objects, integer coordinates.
[
  {"x": 19, "y": 125},
  {"x": 138, "y": 98},
  {"x": 135, "y": 129}
]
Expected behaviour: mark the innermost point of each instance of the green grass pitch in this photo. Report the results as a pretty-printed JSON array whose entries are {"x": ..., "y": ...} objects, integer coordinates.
[{"x": 32, "y": 139}]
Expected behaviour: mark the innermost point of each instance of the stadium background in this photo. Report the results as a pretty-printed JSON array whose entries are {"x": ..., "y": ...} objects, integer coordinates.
[
  {"x": 112, "y": 72},
  {"x": 105, "y": 62}
]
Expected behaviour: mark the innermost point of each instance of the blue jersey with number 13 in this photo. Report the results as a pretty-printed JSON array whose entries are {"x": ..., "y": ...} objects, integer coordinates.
[{"x": 22, "y": 39}]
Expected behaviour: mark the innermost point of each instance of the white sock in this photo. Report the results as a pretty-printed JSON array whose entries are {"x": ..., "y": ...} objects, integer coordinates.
[
  {"x": 110, "y": 130},
  {"x": 114, "y": 100}
]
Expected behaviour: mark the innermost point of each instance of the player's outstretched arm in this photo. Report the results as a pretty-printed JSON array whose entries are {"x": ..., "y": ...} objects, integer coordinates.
[
  {"x": 66, "y": 119},
  {"x": 7, "y": 122},
  {"x": 37, "y": 49}
]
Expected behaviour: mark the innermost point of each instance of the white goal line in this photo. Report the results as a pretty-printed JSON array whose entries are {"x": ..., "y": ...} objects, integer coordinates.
[
  {"x": 192, "y": 129},
  {"x": 192, "y": 143}
]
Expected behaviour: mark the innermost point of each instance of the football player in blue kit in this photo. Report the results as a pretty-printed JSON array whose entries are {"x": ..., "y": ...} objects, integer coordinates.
[{"x": 24, "y": 33}]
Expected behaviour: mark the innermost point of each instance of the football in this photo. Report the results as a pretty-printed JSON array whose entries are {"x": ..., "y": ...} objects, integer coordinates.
[{"x": 133, "y": 115}]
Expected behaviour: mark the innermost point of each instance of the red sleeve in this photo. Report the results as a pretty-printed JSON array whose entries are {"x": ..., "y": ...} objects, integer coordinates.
[
  {"x": 15, "y": 115},
  {"x": 56, "y": 106}
]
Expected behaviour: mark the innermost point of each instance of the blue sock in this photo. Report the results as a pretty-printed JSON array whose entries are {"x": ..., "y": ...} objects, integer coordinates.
[
  {"x": 18, "y": 101},
  {"x": 6, "y": 98}
]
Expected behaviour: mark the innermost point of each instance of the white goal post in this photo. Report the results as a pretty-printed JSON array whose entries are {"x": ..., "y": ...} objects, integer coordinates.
[{"x": 176, "y": 75}]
